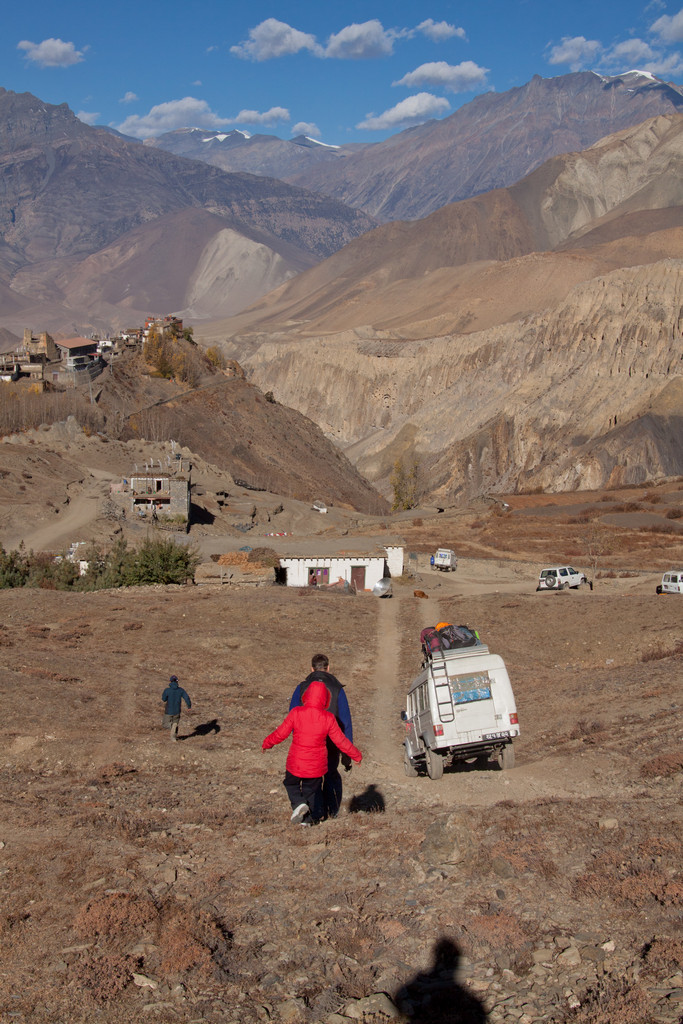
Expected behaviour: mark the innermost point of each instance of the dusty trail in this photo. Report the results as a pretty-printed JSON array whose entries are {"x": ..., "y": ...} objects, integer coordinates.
[
  {"x": 554, "y": 777},
  {"x": 387, "y": 698},
  {"x": 80, "y": 515},
  {"x": 389, "y": 681}
]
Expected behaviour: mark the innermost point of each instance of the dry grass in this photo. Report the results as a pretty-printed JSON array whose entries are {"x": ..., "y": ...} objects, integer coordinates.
[{"x": 661, "y": 651}]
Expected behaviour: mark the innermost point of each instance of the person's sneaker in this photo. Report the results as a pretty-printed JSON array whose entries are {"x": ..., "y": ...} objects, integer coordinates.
[{"x": 299, "y": 813}]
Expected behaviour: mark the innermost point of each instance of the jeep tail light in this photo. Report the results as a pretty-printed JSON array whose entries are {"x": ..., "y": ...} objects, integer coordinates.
[
  {"x": 513, "y": 718},
  {"x": 438, "y": 730}
]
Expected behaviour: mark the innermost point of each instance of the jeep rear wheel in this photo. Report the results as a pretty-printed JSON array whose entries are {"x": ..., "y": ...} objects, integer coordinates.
[
  {"x": 434, "y": 764},
  {"x": 506, "y": 757}
]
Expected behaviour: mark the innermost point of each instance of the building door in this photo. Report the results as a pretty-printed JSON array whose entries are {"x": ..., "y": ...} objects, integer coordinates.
[
  {"x": 318, "y": 577},
  {"x": 358, "y": 577}
]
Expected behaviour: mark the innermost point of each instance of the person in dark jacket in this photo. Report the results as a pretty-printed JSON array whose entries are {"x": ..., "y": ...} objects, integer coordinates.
[
  {"x": 314, "y": 727},
  {"x": 173, "y": 695},
  {"x": 331, "y": 792}
]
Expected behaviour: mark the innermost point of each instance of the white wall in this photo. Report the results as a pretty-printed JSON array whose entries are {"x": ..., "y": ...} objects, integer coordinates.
[
  {"x": 339, "y": 568},
  {"x": 395, "y": 561}
]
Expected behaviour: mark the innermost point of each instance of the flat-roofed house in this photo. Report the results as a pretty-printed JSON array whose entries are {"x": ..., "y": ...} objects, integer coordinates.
[{"x": 359, "y": 561}]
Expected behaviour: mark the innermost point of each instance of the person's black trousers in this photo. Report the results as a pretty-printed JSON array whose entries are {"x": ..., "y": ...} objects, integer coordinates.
[{"x": 302, "y": 791}]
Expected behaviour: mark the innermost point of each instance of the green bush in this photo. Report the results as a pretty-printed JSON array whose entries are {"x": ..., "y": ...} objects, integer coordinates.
[
  {"x": 155, "y": 561},
  {"x": 160, "y": 561}
]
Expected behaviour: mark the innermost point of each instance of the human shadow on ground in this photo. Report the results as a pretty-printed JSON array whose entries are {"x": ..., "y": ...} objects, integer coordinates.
[
  {"x": 203, "y": 730},
  {"x": 435, "y": 997},
  {"x": 369, "y": 802}
]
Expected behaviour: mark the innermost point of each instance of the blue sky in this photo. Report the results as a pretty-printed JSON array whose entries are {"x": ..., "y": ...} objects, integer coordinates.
[{"x": 340, "y": 72}]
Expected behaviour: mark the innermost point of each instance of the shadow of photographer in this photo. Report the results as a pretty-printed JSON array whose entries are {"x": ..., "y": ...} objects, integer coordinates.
[
  {"x": 435, "y": 997},
  {"x": 370, "y": 801}
]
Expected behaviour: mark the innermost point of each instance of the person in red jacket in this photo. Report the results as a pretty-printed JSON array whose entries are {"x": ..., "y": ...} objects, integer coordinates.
[{"x": 311, "y": 724}]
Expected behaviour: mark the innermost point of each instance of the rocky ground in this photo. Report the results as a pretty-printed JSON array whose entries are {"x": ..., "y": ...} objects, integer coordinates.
[{"x": 142, "y": 879}]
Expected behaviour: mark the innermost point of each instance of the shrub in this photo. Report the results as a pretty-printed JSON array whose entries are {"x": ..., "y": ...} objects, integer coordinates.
[
  {"x": 14, "y": 568},
  {"x": 215, "y": 357},
  {"x": 160, "y": 561}
]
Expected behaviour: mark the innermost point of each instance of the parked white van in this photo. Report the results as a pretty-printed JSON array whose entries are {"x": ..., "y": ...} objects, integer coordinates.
[
  {"x": 445, "y": 560},
  {"x": 672, "y": 582},
  {"x": 461, "y": 706}
]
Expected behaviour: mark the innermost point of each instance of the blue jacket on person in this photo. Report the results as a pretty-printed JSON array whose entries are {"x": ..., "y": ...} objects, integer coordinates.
[
  {"x": 339, "y": 705},
  {"x": 173, "y": 695}
]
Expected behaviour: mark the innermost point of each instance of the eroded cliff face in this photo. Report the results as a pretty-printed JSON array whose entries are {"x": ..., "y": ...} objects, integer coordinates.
[{"x": 587, "y": 394}]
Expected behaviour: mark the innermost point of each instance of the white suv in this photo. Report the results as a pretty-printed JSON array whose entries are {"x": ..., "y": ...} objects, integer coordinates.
[{"x": 560, "y": 577}]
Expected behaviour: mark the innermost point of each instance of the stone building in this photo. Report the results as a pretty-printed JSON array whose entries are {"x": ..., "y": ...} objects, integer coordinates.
[{"x": 162, "y": 495}]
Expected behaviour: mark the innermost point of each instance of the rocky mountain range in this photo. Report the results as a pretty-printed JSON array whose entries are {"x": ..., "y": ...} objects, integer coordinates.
[
  {"x": 97, "y": 230},
  {"x": 529, "y": 337},
  {"x": 255, "y": 154},
  {"x": 489, "y": 143}
]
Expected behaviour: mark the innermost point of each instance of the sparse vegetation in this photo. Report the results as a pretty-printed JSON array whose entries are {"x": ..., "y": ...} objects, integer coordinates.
[
  {"x": 176, "y": 357},
  {"x": 403, "y": 482},
  {"x": 154, "y": 561}
]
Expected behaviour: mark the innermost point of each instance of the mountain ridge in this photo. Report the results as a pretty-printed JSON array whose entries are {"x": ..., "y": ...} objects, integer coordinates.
[
  {"x": 457, "y": 327},
  {"x": 72, "y": 190}
]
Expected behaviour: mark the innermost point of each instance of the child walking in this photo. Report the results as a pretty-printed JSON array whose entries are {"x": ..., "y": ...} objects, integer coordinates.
[
  {"x": 311, "y": 724},
  {"x": 173, "y": 696}
]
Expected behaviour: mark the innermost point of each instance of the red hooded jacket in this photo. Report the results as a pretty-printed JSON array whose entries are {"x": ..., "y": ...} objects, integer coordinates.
[{"x": 311, "y": 724}]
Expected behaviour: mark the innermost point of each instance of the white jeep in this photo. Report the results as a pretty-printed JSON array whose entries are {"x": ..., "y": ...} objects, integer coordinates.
[
  {"x": 560, "y": 577},
  {"x": 672, "y": 582}
]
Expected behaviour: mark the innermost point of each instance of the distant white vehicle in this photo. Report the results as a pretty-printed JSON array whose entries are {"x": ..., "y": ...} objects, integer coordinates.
[
  {"x": 672, "y": 582},
  {"x": 560, "y": 577},
  {"x": 319, "y": 506},
  {"x": 445, "y": 559}
]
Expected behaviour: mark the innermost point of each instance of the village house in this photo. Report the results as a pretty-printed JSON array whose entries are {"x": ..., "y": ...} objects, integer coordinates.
[
  {"x": 359, "y": 561},
  {"x": 69, "y": 362},
  {"x": 80, "y": 361},
  {"x": 33, "y": 357},
  {"x": 162, "y": 494},
  {"x": 166, "y": 326}
]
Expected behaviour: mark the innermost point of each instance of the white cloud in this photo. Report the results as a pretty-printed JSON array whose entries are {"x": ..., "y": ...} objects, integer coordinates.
[
  {"x": 456, "y": 78},
  {"x": 438, "y": 30},
  {"x": 255, "y": 117},
  {"x": 576, "y": 51},
  {"x": 306, "y": 128},
  {"x": 362, "y": 42},
  {"x": 273, "y": 38},
  {"x": 51, "y": 53},
  {"x": 130, "y": 97},
  {"x": 87, "y": 118},
  {"x": 665, "y": 67},
  {"x": 630, "y": 53},
  {"x": 166, "y": 117},
  {"x": 669, "y": 28},
  {"x": 413, "y": 110}
]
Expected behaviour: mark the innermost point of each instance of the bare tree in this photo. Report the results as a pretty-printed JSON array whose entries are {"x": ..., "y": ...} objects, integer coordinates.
[{"x": 597, "y": 541}]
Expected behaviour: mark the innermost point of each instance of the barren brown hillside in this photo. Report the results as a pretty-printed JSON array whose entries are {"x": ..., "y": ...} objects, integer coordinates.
[
  {"x": 451, "y": 342},
  {"x": 164, "y": 881}
]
